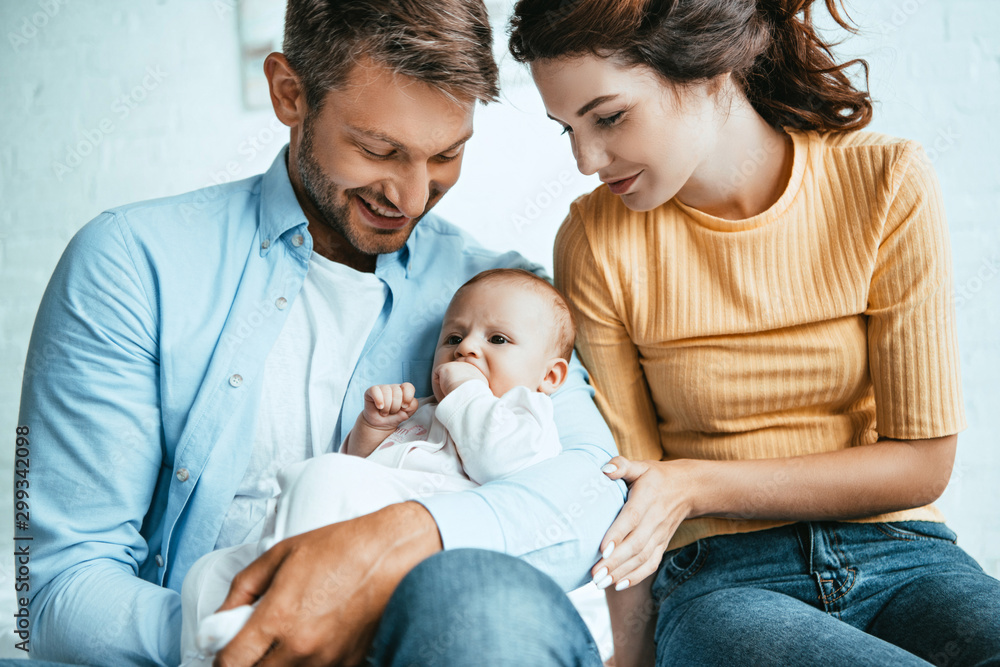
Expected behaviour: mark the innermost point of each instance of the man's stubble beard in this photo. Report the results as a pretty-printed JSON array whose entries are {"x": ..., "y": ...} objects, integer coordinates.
[{"x": 334, "y": 204}]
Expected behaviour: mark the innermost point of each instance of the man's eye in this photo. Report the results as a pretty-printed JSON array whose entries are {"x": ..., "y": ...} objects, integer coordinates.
[
  {"x": 497, "y": 339},
  {"x": 453, "y": 340},
  {"x": 378, "y": 156}
]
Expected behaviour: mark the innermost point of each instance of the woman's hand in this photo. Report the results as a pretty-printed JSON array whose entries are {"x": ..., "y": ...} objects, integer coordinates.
[
  {"x": 884, "y": 476},
  {"x": 661, "y": 495}
]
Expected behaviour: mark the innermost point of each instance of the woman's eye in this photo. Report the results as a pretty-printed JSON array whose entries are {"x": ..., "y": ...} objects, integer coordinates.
[
  {"x": 610, "y": 120},
  {"x": 498, "y": 339},
  {"x": 453, "y": 340},
  {"x": 566, "y": 129}
]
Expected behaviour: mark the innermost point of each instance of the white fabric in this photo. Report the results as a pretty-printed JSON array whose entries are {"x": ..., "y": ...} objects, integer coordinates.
[
  {"x": 474, "y": 434},
  {"x": 492, "y": 436},
  {"x": 305, "y": 376}
]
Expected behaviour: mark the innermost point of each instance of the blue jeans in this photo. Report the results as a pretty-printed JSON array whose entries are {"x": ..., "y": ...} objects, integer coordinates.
[
  {"x": 827, "y": 593},
  {"x": 470, "y": 607}
]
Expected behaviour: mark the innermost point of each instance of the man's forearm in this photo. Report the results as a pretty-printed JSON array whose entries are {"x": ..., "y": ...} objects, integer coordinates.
[
  {"x": 322, "y": 593},
  {"x": 102, "y": 615},
  {"x": 553, "y": 515}
]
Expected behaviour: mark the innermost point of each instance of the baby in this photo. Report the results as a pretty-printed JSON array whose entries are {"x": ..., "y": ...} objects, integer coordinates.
[{"x": 504, "y": 347}]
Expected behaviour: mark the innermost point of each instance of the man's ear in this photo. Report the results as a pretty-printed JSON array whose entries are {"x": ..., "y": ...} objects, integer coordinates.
[
  {"x": 288, "y": 96},
  {"x": 555, "y": 375}
]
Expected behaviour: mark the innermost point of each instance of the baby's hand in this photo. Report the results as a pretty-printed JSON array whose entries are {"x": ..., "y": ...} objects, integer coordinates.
[
  {"x": 454, "y": 373},
  {"x": 389, "y": 405}
]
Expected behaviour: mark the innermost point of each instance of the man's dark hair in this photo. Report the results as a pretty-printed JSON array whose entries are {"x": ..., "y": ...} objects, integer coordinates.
[{"x": 447, "y": 44}]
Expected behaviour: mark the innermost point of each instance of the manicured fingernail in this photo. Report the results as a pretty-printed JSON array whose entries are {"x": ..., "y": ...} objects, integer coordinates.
[
  {"x": 621, "y": 585},
  {"x": 608, "y": 468},
  {"x": 608, "y": 550},
  {"x": 604, "y": 583},
  {"x": 603, "y": 572}
]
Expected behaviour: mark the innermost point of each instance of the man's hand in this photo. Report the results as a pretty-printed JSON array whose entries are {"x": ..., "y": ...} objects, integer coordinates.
[
  {"x": 322, "y": 593},
  {"x": 454, "y": 373},
  {"x": 389, "y": 405}
]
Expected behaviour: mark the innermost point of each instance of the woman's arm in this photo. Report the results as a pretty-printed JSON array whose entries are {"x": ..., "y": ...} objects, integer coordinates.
[
  {"x": 623, "y": 397},
  {"x": 885, "y": 476},
  {"x": 604, "y": 344}
]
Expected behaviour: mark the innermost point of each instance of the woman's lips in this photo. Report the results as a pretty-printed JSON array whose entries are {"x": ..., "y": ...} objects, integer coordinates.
[{"x": 622, "y": 186}]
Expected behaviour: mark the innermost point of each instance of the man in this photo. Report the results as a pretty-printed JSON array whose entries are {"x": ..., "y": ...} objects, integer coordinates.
[{"x": 188, "y": 348}]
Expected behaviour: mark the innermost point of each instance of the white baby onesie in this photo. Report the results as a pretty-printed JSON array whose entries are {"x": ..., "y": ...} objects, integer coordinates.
[{"x": 470, "y": 438}]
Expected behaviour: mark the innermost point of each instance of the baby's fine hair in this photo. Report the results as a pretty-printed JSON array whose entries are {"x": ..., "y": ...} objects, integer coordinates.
[{"x": 562, "y": 318}]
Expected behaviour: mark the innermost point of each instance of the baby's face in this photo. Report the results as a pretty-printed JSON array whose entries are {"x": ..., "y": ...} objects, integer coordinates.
[{"x": 504, "y": 329}]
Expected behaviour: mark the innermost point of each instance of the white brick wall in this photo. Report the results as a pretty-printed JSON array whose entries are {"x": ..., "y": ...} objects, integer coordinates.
[{"x": 159, "y": 82}]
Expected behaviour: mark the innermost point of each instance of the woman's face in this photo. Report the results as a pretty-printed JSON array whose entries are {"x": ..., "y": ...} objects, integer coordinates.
[{"x": 644, "y": 138}]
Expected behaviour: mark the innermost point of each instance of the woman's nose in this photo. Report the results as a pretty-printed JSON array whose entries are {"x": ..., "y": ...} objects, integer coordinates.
[{"x": 591, "y": 155}]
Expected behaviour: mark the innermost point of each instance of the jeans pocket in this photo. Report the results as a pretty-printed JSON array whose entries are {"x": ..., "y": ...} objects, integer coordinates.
[
  {"x": 678, "y": 566},
  {"x": 909, "y": 531}
]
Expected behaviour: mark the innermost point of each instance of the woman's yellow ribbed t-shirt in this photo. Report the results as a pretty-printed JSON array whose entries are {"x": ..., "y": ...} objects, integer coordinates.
[{"x": 817, "y": 325}]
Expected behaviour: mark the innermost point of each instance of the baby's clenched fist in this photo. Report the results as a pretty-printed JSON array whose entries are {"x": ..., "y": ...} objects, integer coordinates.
[{"x": 389, "y": 405}]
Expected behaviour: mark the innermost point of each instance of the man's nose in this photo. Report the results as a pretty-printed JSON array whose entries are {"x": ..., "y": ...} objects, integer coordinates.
[{"x": 410, "y": 190}]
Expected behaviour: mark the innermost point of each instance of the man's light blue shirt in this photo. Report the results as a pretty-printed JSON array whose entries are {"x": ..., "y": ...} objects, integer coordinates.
[{"x": 141, "y": 391}]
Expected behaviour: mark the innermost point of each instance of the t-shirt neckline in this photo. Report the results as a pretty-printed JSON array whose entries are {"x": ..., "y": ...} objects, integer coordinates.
[{"x": 800, "y": 158}]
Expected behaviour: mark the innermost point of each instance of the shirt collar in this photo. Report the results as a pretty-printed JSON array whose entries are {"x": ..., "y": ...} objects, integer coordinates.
[
  {"x": 279, "y": 208},
  {"x": 280, "y": 211}
]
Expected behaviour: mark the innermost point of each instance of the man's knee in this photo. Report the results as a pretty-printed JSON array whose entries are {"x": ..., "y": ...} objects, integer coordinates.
[
  {"x": 475, "y": 588},
  {"x": 483, "y": 606}
]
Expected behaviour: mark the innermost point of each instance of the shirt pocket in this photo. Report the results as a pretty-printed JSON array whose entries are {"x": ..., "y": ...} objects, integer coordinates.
[{"x": 418, "y": 373}]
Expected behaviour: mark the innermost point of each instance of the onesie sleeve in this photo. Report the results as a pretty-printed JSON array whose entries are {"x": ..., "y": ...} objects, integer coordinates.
[
  {"x": 604, "y": 344},
  {"x": 497, "y": 437},
  {"x": 912, "y": 340}
]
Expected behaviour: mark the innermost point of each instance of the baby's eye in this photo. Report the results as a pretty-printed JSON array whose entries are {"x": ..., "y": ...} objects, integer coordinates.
[
  {"x": 453, "y": 340},
  {"x": 497, "y": 339}
]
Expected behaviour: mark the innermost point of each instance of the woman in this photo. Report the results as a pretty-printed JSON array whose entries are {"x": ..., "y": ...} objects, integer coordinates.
[{"x": 764, "y": 302}]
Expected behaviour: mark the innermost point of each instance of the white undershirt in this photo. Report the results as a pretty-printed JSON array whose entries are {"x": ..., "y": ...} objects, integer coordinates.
[{"x": 305, "y": 379}]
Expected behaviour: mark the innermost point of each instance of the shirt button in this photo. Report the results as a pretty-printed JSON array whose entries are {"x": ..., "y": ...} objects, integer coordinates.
[
  {"x": 298, "y": 240},
  {"x": 235, "y": 379},
  {"x": 159, "y": 560},
  {"x": 281, "y": 303},
  {"x": 266, "y": 244},
  {"x": 182, "y": 474}
]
